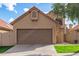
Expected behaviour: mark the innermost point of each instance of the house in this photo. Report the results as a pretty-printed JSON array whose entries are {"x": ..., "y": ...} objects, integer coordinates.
[
  {"x": 5, "y": 28},
  {"x": 73, "y": 34},
  {"x": 35, "y": 27}
]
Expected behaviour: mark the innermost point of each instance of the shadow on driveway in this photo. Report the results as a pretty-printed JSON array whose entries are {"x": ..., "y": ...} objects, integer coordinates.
[{"x": 32, "y": 50}]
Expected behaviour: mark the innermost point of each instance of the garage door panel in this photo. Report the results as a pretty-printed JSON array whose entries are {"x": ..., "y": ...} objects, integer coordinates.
[{"x": 34, "y": 36}]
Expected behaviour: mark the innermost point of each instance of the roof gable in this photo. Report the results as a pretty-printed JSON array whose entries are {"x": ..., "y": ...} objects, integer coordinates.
[{"x": 29, "y": 11}]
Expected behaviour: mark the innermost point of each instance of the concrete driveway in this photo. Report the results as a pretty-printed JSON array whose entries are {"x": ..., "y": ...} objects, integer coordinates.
[{"x": 31, "y": 50}]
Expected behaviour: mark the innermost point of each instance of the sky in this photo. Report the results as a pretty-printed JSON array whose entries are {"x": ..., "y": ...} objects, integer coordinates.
[{"x": 10, "y": 11}]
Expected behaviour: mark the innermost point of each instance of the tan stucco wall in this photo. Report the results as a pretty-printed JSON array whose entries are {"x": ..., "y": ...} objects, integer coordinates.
[
  {"x": 72, "y": 36},
  {"x": 42, "y": 23},
  {"x": 60, "y": 29},
  {"x": 26, "y": 22},
  {"x": 12, "y": 38},
  {"x": 59, "y": 34},
  {"x": 6, "y": 38},
  {"x": 0, "y": 40},
  {"x": 69, "y": 36}
]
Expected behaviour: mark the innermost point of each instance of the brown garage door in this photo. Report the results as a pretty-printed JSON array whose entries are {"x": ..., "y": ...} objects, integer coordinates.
[{"x": 34, "y": 36}]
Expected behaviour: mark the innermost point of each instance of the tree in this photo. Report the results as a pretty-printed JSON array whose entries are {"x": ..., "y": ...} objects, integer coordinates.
[
  {"x": 59, "y": 9},
  {"x": 67, "y": 10}
]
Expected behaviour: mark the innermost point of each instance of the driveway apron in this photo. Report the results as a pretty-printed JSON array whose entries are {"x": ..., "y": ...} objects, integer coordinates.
[{"x": 31, "y": 50}]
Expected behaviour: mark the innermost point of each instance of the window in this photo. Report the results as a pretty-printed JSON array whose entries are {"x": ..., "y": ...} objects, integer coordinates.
[{"x": 34, "y": 15}]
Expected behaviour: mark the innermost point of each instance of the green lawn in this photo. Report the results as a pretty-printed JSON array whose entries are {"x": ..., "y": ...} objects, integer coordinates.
[
  {"x": 69, "y": 48},
  {"x": 4, "y": 48}
]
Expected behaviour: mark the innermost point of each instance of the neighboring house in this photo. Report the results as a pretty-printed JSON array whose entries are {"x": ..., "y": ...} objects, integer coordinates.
[
  {"x": 73, "y": 34},
  {"x": 35, "y": 27},
  {"x": 5, "y": 28}
]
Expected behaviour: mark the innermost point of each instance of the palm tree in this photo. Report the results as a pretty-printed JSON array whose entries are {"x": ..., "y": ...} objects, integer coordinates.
[
  {"x": 67, "y": 10},
  {"x": 59, "y": 9}
]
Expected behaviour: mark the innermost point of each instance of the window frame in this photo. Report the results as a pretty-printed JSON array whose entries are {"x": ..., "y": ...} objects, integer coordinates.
[{"x": 34, "y": 18}]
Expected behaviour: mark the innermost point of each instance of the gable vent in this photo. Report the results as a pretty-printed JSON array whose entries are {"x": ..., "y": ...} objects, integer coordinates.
[{"x": 34, "y": 15}]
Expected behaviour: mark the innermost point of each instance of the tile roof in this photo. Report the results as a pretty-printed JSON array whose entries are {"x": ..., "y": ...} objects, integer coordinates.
[
  {"x": 5, "y": 26},
  {"x": 75, "y": 28}
]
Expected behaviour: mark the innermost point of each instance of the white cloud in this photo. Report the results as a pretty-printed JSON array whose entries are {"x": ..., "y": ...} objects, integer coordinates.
[
  {"x": 0, "y": 5},
  {"x": 25, "y": 9},
  {"x": 9, "y": 6},
  {"x": 11, "y": 19}
]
